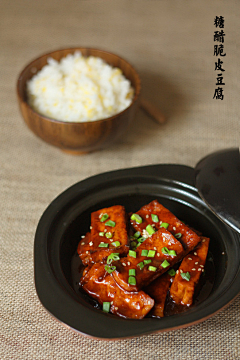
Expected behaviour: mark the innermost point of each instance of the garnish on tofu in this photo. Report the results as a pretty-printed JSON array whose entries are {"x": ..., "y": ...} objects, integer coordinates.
[
  {"x": 185, "y": 281},
  {"x": 108, "y": 231},
  {"x": 132, "y": 260},
  {"x": 100, "y": 285}
]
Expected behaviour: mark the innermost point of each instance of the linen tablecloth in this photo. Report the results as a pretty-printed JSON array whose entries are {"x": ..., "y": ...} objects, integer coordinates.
[{"x": 171, "y": 44}]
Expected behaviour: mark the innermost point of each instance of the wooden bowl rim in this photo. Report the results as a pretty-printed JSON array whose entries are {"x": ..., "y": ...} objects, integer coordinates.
[{"x": 137, "y": 90}]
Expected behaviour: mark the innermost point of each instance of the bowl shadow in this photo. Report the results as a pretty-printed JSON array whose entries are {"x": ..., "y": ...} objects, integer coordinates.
[{"x": 164, "y": 94}]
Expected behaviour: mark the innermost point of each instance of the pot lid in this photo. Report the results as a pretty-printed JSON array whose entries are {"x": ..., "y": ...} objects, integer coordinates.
[{"x": 217, "y": 178}]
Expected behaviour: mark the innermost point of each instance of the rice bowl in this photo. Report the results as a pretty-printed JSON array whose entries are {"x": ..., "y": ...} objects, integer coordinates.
[
  {"x": 79, "y": 89},
  {"x": 78, "y": 137}
]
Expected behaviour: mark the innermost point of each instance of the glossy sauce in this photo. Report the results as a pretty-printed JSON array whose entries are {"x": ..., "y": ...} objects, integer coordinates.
[
  {"x": 202, "y": 291},
  {"x": 76, "y": 271}
]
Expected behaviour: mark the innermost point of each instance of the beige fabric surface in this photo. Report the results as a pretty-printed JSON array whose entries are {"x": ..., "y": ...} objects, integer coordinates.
[{"x": 170, "y": 42}]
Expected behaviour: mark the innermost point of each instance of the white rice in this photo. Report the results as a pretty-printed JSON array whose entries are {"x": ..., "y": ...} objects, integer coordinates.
[{"x": 79, "y": 89}]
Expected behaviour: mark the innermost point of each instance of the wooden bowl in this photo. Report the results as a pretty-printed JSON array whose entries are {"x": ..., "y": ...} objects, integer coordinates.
[{"x": 79, "y": 137}]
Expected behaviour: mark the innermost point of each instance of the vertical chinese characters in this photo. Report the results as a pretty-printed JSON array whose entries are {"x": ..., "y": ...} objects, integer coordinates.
[{"x": 219, "y": 51}]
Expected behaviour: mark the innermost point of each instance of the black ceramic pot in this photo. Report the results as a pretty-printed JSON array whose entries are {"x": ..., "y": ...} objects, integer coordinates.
[{"x": 68, "y": 217}]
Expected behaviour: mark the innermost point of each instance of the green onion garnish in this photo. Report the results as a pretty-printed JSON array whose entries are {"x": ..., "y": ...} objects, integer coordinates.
[
  {"x": 155, "y": 218},
  {"x": 108, "y": 235},
  {"x": 147, "y": 262},
  {"x": 151, "y": 253},
  {"x": 101, "y": 233},
  {"x": 144, "y": 253},
  {"x": 165, "y": 264},
  {"x": 132, "y": 280},
  {"x": 116, "y": 243},
  {"x": 110, "y": 269},
  {"x": 137, "y": 218},
  {"x": 104, "y": 217},
  {"x": 186, "y": 276},
  {"x": 152, "y": 268},
  {"x": 172, "y": 253},
  {"x": 132, "y": 272},
  {"x": 171, "y": 272},
  {"x": 137, "y": 234},
  {"x": 105, "y": 245},
  {"x": 112, "y": 257},
  {"x": 178, "y": 235},
  {"x": 150, "y": 229},
  {"x": 166, "y": 251},
  {"x": 106, "y": 306},
  {"x": 165, "y": 225},
  {"x": 140, "y": 265},
  {"x": 141, "y": 239},
  {"x": 110, "y": 223},
  {"x": 132, "y": 253},
  {"x": 133, "y": 245}
]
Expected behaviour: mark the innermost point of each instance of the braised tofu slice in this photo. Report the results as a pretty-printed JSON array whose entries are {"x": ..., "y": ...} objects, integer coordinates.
[
  {"x": 158, "y": 290},
  {"x": 84, "y": 249},
  {"x": 99, "y": 284},
  {"x": 152, "y": 258},
  {"x": 188, "y": 274},
  {"x": 158, "y": 216},
  {"x": 108, "y": 235}
]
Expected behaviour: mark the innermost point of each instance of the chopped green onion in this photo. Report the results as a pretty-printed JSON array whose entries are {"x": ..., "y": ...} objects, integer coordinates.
[
  {"x": 166, "y": 251},
  {"x": 150, "y": 229},
  {"x": 137, "y": 234},
  {"x": 165, "y": 225},
  {"x": 105, "y": 245},
  {"x": 151, "y": 253},
  {"x": 110, "y": 269},
  {"x": 171, "y": 272},
  {"x": 147, "y": 262},
  {"x": 106, "y": 306},
  {"x": 101, "y": 233},
  {"x": 132, "y": 272},
  {"x": 186, "y": 276},
  {"x": 141, "y": 239},
  {"x": 104, "y": 217},
  {"x": 165, "y": 264},
  {"x": 112, "y": 257},
  {"x": 152, "y": 268},
  {"x": 116, "y": 243},
  {"x": 132, "y": 280},
  {"x": 110, "y": 223},
  {"x": 108, "y": 235},
  {"x": 155, "y": 218},
  {"x": 140, "y": 265},
  {"x": 132, "y": 253},
  {"x": 138, "y": 244},
  {"x": 144, "y": 253},
  {"x": 137, "y": 218},
  {"x": 133, "y": 245},
  {"x": 178, "y": 235}
]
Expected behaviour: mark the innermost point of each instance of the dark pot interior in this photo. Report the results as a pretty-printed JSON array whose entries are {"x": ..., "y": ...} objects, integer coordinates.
[{"x": 68, "y": 217}]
